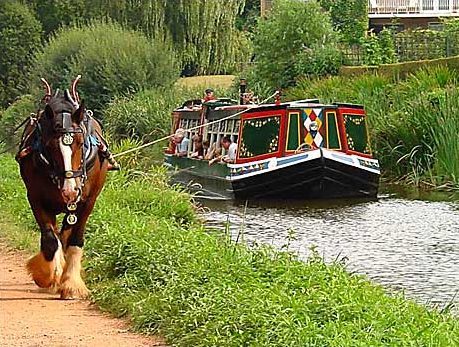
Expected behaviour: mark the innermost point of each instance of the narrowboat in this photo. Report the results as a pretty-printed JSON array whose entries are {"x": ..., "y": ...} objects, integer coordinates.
[{"x": 292, "y": 150}]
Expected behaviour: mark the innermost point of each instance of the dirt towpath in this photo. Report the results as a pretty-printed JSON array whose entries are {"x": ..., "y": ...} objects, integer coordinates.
[{"x": 32, "y": 317}]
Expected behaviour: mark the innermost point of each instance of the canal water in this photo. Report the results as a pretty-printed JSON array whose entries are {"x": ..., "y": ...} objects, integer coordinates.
[{"x": 403, "y": 243}]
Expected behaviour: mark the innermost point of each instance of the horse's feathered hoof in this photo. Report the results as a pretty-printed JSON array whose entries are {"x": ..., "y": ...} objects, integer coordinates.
[
  {"x": 45, "y": 273},
  {"x": 73, "y": 288}
]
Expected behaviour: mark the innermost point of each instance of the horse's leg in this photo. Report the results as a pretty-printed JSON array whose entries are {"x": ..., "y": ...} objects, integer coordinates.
[
  {"x": 72, "y": 285},
  {"x": 47, "y": 266}
]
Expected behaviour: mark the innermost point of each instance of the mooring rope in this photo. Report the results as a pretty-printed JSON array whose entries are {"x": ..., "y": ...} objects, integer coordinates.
[{"x": 190, "y": 129}]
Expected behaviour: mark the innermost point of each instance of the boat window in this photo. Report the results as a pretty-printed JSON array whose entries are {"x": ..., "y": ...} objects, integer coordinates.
[
  {"x": 259, "y": 136},
  {"x": 333, "y": 139},
  {"x": 356, "y": 131},
  {"x": 293, "y": 131}
]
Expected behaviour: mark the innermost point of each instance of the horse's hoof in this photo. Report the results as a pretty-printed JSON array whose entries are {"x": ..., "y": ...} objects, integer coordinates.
[
  {"x": 73, "y": 289},
  {"x": 42, "y": 271}
]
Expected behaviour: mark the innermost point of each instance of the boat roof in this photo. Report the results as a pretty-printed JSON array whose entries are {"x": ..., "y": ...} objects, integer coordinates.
[{"x": 228, "y": 104}]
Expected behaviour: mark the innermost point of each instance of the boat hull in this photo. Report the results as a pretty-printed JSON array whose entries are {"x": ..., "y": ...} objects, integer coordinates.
[{"x": 318, "y": 174}]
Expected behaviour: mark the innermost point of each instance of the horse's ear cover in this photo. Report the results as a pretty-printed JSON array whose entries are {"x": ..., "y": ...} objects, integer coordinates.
[{"x": 78, "y": 115}]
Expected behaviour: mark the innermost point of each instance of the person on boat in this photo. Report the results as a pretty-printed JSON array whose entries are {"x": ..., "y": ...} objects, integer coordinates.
[
  {"x": 181, "y": 142},
  {"x": 198, "y": 147},
  {"x": 231, "y": 150},
  {"x": 210, "y": 96}
]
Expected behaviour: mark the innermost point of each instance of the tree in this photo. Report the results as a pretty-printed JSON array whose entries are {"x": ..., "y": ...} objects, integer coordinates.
[
  {"x": 296, "y": 38},
  {"x": 350, "y": 18},
  {"x": 112, "y": 61},
  {"x": 56, "y": 13},
  {"x": 20, "y": 34},
  {"x": 203, "y": 32}
]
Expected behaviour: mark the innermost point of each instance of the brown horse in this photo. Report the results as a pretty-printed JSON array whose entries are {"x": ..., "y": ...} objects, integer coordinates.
[{"x": 63, "y": 162}]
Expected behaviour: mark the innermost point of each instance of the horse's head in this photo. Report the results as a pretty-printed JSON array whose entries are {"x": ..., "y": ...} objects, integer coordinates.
[{"x": 63, "y": 135}]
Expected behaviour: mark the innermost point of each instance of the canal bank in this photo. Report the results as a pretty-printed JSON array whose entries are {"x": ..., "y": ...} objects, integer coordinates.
[{"x": 149, "y": 258}]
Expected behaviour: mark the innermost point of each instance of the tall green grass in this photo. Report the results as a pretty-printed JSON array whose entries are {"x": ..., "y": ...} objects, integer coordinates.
[
  {"x": 413, "y": 123},
  {"x": 148, "y": 257}
]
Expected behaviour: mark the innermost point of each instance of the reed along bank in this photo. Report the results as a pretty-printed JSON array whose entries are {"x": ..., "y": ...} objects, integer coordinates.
[
  {"x": 149, "y": 257},
  {"x": 413, "y": 122}
]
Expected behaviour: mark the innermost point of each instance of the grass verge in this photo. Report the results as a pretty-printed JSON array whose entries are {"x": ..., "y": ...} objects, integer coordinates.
[{"x": 149, "y": 257}]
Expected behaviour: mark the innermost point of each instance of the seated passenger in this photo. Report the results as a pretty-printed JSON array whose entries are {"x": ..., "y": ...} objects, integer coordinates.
[
  {"x": 231, "y": 150},
  {"x": 181, "y": 143},
  {"x": 214, "y": 154},
  {"x": 198, "y": 147}
]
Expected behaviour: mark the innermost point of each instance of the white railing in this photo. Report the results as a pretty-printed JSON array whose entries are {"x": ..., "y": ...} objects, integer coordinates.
[{"x": 434, "y": 7}]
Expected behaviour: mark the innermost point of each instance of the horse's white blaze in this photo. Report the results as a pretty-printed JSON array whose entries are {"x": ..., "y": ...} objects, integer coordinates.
[{"x": 69, "y": 183}]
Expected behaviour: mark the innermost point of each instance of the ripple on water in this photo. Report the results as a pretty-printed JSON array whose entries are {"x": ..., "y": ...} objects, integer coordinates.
[{"x": 411, "y": 245}]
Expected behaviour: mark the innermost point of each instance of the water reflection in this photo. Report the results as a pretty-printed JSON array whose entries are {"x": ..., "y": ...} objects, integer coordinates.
[{"x": 411, "y": 245}]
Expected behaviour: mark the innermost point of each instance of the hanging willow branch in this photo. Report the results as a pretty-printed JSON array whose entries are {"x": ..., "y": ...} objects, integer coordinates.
[{"x": 203, "y": 32}]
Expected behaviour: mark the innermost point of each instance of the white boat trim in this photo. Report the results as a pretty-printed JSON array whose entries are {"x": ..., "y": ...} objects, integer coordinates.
[{"x": 274, "y": 163}]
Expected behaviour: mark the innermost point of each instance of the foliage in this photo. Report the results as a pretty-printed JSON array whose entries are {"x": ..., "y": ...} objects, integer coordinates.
[
  {"x": 12, "y": 117},
  {"x": 412, "y": 122},
  {"x": 203, "y": 32},
  {"x": 150, "y": 259},
  {"x": 20, "y": 36},
  {"x": 372, "y": 54},
  {"x": 146, "y": 115},
  {"x": 401, "y": 70},
  {"x": 53, "y": 14},
  {"x": 113, "y": 61},
  {"x": 247, "y": 20},
  {"x": 420, "y": 44},
  {"x": 292, "y": 36},
  {"x": 387, "y": 45},
  {"x": 350, "y": 18}
]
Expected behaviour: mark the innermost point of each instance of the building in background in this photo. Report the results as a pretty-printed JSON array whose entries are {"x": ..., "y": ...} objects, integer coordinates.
[
  {"x": 404, "y": 14},
  {"x": 410, "y": 14}
]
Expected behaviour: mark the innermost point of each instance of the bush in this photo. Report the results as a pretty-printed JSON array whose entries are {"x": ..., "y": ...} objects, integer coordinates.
[
  {"x": 293, "y": 40},
  {"x": 401, "y": 70},
  {"x": 13, "y": 116},
  {"x": 112, "y": 61},
  {"x": 20, "y": 35}
]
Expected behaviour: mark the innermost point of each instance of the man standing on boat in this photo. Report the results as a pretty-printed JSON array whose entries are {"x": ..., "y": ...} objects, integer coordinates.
[{"x": 209, "y": 95}]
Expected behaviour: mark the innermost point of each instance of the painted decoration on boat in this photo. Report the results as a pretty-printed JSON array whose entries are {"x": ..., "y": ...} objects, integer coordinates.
[
  {"x": 357, "y": 137},
  {"x": 259, "y": 136},
  {"x": 313, "y": 121}
]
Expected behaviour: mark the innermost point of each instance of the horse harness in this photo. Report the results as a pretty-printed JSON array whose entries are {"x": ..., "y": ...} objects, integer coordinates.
[{"x": 93, "y": 143}]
